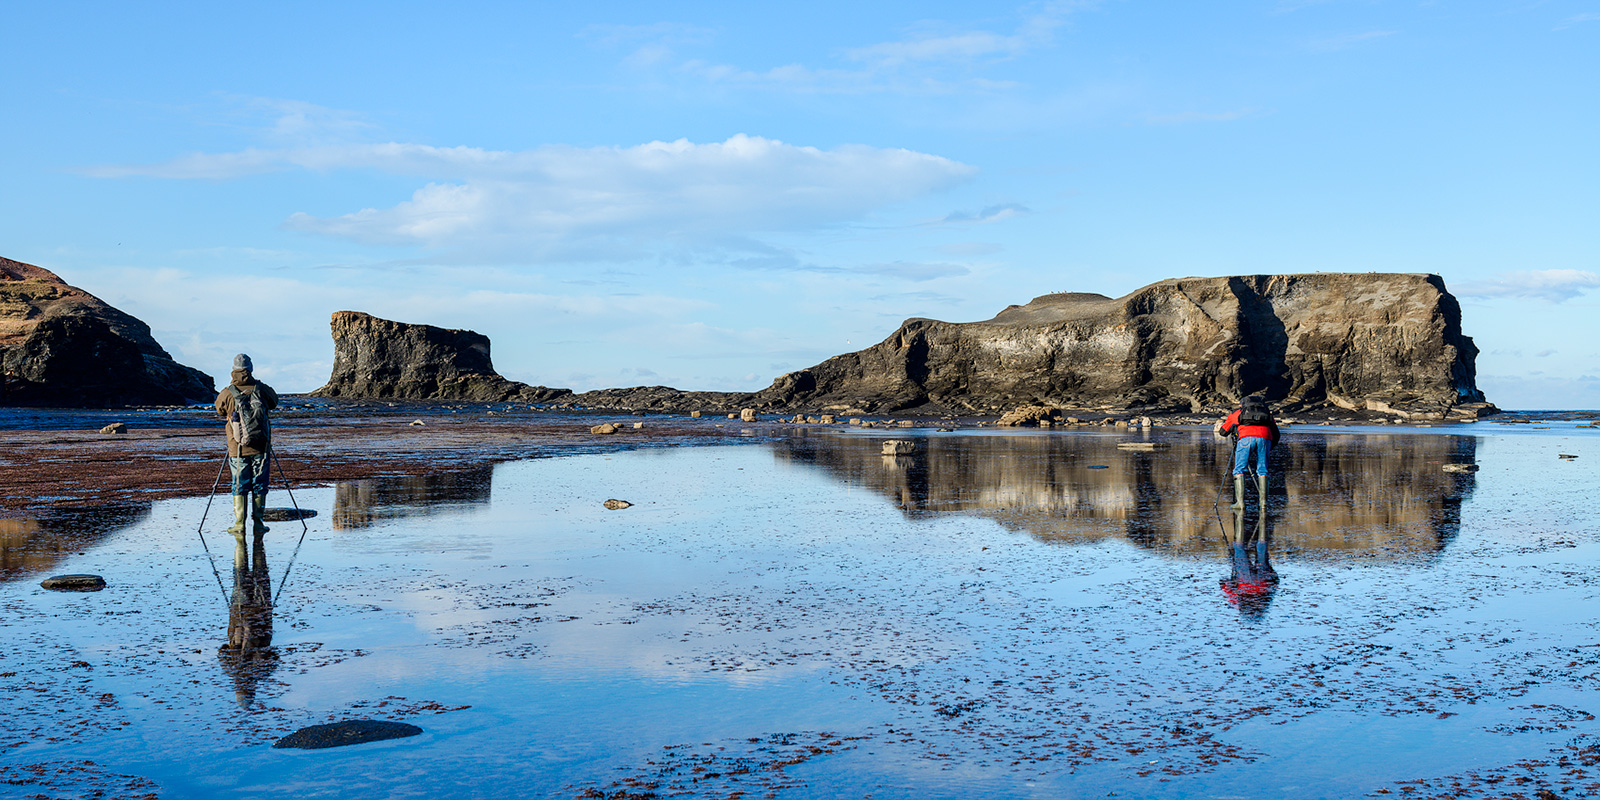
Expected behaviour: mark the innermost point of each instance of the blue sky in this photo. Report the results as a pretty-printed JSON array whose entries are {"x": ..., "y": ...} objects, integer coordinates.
[{"x": 709, "y": 195}]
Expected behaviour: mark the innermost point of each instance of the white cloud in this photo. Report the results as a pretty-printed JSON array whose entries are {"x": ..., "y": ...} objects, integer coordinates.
[
  {"x": 562, "y": 202},
  {"x": 1554, "y": 285}
]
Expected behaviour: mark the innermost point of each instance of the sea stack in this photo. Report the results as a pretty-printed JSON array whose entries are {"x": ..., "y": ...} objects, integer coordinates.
[
  {"x": 379, "y": 358},
  {"x": 1386, "y": 343},
  {"x": 64, "y": 347}
]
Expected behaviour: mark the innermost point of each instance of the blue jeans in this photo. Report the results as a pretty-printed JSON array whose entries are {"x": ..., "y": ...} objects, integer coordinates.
[
  {"x": 1251, "y": 447},
  {"x": 250, "y": 474}
]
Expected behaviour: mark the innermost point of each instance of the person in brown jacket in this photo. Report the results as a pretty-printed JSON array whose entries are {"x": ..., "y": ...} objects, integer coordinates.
[{"x": 244, "y": 404}]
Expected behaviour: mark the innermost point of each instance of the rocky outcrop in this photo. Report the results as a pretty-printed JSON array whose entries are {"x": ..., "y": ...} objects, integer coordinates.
[
  {"x": 1385, "y": 343},
  {"x": 61, "y": 346},
  {"x": 379, "y": 358}
]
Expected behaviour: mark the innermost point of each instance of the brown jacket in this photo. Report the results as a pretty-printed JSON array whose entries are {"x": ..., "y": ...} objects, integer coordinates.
[{"x": 246, "y": 383}]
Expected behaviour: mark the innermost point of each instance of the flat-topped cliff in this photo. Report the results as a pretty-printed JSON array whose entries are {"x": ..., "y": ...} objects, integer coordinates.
[
  {"x": 61, "y": 346},
  {"x": 375, "y": 357},
  {"x": 1357, "y": 341}
]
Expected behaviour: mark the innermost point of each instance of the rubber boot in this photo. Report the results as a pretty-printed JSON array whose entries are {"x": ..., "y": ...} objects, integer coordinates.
[
  {"x": 237, "y": 528},
  {"x": 259, "y": 507},
  {"x": 1238, "y": 492},
  {"x": 1261, "y": 493}
]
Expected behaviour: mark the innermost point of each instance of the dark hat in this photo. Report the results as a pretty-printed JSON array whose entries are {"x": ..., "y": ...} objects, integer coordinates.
[{"x": 242, "y": 361}]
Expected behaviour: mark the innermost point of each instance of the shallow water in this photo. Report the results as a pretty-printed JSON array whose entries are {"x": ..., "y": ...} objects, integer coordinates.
[{"x": 1002, "y": 614}]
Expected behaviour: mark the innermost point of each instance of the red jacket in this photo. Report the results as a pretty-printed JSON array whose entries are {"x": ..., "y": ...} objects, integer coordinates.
[{"x": 1267, "y": 431}]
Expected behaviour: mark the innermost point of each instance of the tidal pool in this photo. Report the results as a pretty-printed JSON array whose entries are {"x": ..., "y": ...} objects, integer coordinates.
[{"x": 1037, "y": 614}]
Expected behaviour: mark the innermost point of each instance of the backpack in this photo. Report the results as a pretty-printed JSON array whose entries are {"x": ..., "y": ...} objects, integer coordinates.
[
  {"x": 1254, "y": 414},
  {"x": 249, "y": 422}
]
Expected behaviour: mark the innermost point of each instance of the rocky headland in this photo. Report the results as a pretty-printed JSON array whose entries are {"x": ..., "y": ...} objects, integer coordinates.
[
  {"x": 1330, "y": 344},
  {"x": 380, "y": 358},
  {"x": 1385, "y": 343},
  {"x": 61, "y": 346}
]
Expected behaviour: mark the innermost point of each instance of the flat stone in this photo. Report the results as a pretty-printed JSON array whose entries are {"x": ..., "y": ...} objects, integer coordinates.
[
  {"x": 286, "y": 514},
  {"x": 115, "y": 427},
  {"x": 348, "y": 732},
  {"x": 1460, "y": 468},
  {"x": 74, "y": 583},
  {"x": 614, "y": 504},
  {"x": 899, "y": 447}
]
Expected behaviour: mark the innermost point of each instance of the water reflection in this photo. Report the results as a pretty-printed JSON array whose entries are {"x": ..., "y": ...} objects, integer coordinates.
[
  {"x": 360, "y": 504},
  {"x": 247, "y": 656},
  {"x": 38, "y": 545},
  {"x": 1376, "y": 496},
  {"x": 1252, "y": 580}
]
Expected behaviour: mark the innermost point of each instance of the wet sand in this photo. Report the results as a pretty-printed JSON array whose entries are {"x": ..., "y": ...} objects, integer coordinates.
[{"x": 1008, "y": 614}]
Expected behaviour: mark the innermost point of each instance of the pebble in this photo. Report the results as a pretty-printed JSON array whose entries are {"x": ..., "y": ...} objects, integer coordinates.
[{"x": 616, "y": 505}]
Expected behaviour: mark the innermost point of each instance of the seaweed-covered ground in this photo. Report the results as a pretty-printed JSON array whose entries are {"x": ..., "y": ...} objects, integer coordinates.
[{"x": 1007, "y": 614}]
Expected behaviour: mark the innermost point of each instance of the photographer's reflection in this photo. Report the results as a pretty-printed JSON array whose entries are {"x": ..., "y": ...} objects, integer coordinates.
[
  {"x": 1253, "y": 580},
  {"x": 248, "y": 656}
]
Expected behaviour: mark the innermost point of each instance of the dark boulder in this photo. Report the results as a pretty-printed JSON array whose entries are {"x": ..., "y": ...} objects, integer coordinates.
[
  {"x": 74, "y": 583},
  {"x": 348, "y": 732}
]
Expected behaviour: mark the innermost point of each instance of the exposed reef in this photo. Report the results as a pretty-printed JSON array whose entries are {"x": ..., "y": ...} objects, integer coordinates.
[
  {"x": 379, "y": 358},
  {"x": 61, "y": 346}
]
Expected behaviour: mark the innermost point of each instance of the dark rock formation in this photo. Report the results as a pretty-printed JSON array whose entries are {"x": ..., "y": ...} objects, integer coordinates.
[
  {"x": 61, "y": 346},
  {"x": 375, "y": 357},
  {"x": 339, "y": 734},
  {"x": 1386, "y": 343}
]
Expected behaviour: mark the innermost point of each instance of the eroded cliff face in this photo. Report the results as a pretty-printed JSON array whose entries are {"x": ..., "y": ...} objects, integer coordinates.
[
  {"x": 379, "y": 358},
  {"x": 1378, "y": 342},
  {"x": 61, "y": 346}
]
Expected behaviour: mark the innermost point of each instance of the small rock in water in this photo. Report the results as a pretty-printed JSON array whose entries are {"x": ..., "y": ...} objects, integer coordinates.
[
  {"x": 1136, "y": 445},
  {"x": 638, "y": 425},
  {"x": 339, "y": 734},
  {"x": 1565, "y": 456},
  {"x": 616, "y": 505},
  {"x": 605, "y": 428},
  {"x": 417, "y": 422},
  {"x": 286, "y": 514},
  {"x": 1460, "y": 468},
  {"x": 746, "y": 415},
  {"x": 694, "y": 414},
  {"x": 115, "y": 427},
  {"x": 899, "y": 447},
  {"x": 74, "y": 583}
]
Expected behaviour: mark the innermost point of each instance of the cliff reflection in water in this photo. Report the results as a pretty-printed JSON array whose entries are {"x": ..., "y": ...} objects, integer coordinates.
[
  {"x": 1381, "y": 495},
  {"x": 359, "y": 504},
  {"x": 37, "y": 545}
]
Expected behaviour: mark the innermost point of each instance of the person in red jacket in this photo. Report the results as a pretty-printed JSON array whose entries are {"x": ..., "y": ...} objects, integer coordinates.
[{"x": 1255, "y": 433}]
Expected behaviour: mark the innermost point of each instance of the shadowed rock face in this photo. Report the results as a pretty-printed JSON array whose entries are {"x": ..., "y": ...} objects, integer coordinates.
[
  {"x": 1358, "y": 341},
  {"x": 62, "y": 346},
  {"x": 375, "y": 357}
]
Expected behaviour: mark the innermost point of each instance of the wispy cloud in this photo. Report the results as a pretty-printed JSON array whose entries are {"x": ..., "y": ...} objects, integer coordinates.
[
  {"x": 1331, "y": 44},
  {"x": 932, "y": 58},
  {"x": 1579, "y": 19},
  {"x": 986, "y": 215},
  {"x": 1554, "y": 285},
  {"x": 562, "y": 202}
]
